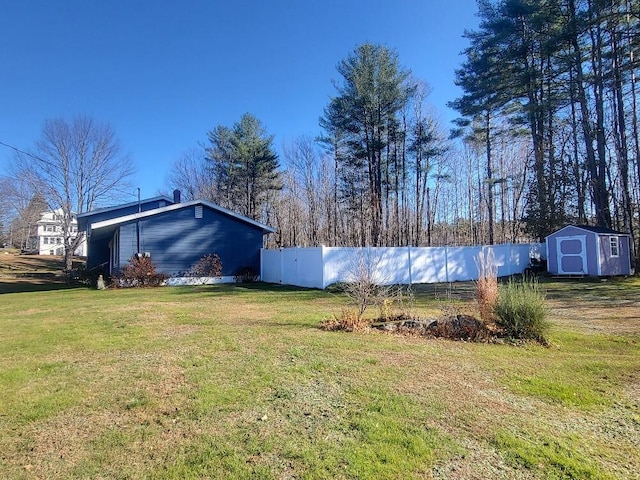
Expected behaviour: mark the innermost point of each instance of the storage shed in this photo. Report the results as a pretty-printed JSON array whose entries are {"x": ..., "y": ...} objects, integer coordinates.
[{"x": 587, "y": 250}]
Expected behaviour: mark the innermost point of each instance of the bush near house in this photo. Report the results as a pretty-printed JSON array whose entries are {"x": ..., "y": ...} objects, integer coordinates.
[
  {"x": 140, "y": 272},
  {"x": 209, "y": 265}
]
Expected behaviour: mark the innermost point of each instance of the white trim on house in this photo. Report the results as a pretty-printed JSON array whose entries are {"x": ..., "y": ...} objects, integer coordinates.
[
  {"x": 598, "y": 254},
  {"x": 614, "y": 239},
  {"x": 178, "y": 206},
  {"x": 181, "y": 281}
]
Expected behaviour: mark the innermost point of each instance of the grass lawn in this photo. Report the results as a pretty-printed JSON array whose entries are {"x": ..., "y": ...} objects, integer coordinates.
[{"x": 238, "y": 382}]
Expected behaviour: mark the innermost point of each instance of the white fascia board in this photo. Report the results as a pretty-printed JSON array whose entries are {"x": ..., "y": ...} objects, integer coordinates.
[
  {"x": 157, "y": 211},
  {"x": 124, "y": 205}
]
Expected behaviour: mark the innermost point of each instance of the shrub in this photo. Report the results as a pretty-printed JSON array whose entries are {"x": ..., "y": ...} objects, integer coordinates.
[
  {"x": 521, "y": 311},
  {"x": 208, "y": 266},
  {"x": 140, "y": 272},
  {"x": 366, "y": 285},
  {"x": 89, "y": 277},
  {"x": 246, "y": 275}
]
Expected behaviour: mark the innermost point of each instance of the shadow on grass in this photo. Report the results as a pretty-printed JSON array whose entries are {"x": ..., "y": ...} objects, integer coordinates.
[
  {"x": 251, "y": 288},
  {"x": 591, "y": 289},
  {"x": 24, "y": 285}
]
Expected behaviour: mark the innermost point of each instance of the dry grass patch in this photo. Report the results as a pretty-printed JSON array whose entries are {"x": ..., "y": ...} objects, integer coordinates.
[{"x": 615, "y": 317}]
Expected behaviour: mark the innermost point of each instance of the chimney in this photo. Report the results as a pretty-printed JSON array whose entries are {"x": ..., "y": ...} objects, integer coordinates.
[{"x": 176, "y": 196}]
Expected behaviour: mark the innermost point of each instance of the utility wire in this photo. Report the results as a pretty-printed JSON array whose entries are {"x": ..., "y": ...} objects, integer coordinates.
[{"x": 35, "y": 157}]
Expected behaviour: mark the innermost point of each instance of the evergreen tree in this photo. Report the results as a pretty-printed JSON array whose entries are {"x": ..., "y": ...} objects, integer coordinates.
[
  {"x": 245, "y": 166},
  {"x": 372, "y": 93}
]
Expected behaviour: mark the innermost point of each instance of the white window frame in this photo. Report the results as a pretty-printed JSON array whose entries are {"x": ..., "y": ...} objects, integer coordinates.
[{"x": 614, "y": 247}]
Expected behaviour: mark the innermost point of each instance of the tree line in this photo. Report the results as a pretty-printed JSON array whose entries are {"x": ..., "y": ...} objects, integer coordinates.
[
  {"x": 563, "y": 73},
  {"x": 547, "y": 135},
  {"x": 383, "y": 170}
]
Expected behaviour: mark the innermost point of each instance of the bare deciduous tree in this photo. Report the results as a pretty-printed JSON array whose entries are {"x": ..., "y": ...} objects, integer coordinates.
[
  {"x": 76, "y": 165},
  {"x": 192, "y": 175}
]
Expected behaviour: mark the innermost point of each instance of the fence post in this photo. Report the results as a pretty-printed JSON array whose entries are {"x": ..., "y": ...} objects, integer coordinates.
[
  {"x": 446, "y": 263},
  {"x": 322, "y": 267},
  {"x": 510, "y": 257}
]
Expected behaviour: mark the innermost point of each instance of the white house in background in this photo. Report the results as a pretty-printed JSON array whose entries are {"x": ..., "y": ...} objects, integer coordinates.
[{"x": 49, "y": 239}]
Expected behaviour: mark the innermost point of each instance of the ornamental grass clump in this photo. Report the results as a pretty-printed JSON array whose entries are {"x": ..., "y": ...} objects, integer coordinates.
[
  {"x": 487, "y": 286},
  {"x": 521, "y": 310}
]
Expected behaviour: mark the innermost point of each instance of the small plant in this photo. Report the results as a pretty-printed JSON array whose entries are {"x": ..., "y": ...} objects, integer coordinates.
[
  {"x": 386, "y": 309},
  {"x": 349, "y": 321},
  {"x": 366, "y": 286},
  {"x": 140, "y": 272},
  {"x": 395, "y": 303},
  {"x": 246, "y": 275},
  {"x": 487, "y": 286},
  {"x": 208, "y": 266},
  {"x": 521, "y": 311}
]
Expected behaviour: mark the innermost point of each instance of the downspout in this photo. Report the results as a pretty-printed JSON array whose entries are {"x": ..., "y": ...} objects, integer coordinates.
[{"x": 138, "y": 225}]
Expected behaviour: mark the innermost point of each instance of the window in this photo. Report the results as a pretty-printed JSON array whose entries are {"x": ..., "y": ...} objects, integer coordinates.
[
  {"x": 45, "y": 240},
  {"x": 613, "y": 244}
]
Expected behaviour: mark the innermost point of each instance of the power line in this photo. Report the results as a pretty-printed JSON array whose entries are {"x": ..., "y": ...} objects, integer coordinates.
[{"x": 35, "y": 157}]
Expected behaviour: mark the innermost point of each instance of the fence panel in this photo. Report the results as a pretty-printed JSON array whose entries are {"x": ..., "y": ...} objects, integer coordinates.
[
  {"x": 336, "y": 261},
  {"x": 320, "y": 267},
  {"x": 270, "y": 266}
]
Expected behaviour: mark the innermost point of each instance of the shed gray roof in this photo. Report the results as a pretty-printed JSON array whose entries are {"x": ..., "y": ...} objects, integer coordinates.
[
  {"x": 603, "y": 230},
  {"x": 593, "y": 229}
]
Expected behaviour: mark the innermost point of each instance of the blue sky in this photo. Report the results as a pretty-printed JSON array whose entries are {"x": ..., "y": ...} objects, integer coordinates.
[{"x": 163, "y": 73}]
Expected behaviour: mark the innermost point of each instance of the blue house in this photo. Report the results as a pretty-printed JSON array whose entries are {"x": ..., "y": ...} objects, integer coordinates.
[
  {"x": 98, "y": 254},
  {"x": 175, "y": 235}
]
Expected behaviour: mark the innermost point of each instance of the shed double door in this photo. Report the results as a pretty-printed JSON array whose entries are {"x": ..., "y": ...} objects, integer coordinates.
[{"x": 572, "y": 255}]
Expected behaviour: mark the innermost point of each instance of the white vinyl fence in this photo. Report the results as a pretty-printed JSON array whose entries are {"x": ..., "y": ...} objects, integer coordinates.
[{"x": 319, "y": 267}]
